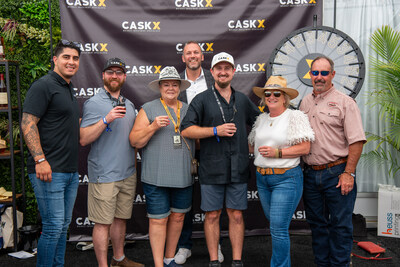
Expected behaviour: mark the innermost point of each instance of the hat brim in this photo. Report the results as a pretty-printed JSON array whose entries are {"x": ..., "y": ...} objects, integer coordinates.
[
  {"x": 216, "y": 63},
  {"x": 115, "y": 66},
  {"x": 155, "y": 85},
  {"x": 259, "y": 91}
]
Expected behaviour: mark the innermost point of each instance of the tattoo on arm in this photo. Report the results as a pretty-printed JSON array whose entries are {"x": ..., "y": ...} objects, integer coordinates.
[{"x": 31, "y": 134}]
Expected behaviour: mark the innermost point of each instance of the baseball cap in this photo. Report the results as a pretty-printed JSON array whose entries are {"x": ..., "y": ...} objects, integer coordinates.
[
  {"x": 115, "y": 62},
  {"x": 222, "y": 57}
]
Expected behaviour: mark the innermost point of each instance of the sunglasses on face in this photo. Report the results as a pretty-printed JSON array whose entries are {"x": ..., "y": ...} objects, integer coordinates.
[
  {"x": 71, "y": 43},
  {"x": 111, "y": 72},
  {"x": 323, "y": 73},
  {"x": 276, "y": 93}
]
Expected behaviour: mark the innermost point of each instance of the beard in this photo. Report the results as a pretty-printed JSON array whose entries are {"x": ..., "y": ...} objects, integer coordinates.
[
  {"x": 194, "y": 66},
  {"x": 113, "y": 88},
  {"x": 223, "y": 84}
]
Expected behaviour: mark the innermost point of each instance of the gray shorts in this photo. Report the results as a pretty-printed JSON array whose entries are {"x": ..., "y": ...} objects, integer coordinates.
[{"x": 213, "y": 195}]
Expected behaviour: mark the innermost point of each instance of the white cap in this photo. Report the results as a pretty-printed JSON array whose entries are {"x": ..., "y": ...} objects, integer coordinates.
[{"x": 222, "y": 57}]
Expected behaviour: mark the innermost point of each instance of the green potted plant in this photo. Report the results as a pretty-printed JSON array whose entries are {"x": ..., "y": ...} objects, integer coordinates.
[{"x": 385, "y": 77}]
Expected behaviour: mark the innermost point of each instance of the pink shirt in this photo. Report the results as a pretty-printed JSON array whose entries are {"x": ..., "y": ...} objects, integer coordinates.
[{"x": 336, "y": 121}]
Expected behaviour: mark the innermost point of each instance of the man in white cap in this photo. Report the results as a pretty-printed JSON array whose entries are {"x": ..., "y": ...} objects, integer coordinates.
[
  {"x": 106, "y": 124},
  {"x": 218, "y": 117}
]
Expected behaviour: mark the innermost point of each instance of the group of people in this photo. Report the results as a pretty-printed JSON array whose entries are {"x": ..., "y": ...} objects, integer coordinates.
[{"x": 198, "y": 114}]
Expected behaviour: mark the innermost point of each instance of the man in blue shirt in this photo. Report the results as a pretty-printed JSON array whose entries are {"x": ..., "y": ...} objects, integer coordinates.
[{"x": 106, "y": 123}]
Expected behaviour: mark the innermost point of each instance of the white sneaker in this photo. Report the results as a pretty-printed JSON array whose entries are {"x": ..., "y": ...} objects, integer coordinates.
[
  {"x": 220, "y": 255},
  {"x": 182, "y": 255}
]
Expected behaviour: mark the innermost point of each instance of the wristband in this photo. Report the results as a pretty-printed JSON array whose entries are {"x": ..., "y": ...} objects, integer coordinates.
[
  {"x": 276, "y": 153},
  {"x": 108, "y": 129},
  {"x": 352, "y": 174},
  {"x": 216, "y": 134},
  {"x": 40, "y": 160},
  {"x": 280, "y": 153}
]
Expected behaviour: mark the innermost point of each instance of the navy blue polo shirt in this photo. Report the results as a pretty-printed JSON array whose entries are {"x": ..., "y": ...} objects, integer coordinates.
[{"x": 226, "y": 161}]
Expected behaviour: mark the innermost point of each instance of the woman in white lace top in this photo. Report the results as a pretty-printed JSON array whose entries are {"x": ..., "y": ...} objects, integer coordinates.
[{"x": 278, "y": 139}]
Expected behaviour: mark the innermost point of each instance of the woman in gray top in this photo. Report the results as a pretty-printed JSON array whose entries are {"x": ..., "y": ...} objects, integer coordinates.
[{"x": 166, "y": 179}]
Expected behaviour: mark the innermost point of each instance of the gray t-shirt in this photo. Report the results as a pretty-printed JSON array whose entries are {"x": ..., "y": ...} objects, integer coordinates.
[
  {"x": 163, "y": 164},
  {"x": 111, "y": 157}
]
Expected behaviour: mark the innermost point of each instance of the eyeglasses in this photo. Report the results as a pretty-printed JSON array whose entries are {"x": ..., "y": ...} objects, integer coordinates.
[
  {"x": 323, "y": 73},
  {"x": 276, "y": 93},
  {"x": 71, "y": 43},
  {"x": 111, "y": 72}
]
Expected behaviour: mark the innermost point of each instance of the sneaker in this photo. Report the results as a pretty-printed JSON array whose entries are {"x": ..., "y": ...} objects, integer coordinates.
[
  {"x": 220, "y": 255},
  {"x": 214, "y": 264},
  {"x": 125, "y": 262},
  {"x": 182, "y": 255},
  {"x": 237, "y": 263},
  {"x": 172, "y": 264}
]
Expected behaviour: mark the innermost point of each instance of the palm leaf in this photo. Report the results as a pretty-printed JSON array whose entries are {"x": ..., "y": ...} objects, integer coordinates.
[{"x": 385, "y": 76}]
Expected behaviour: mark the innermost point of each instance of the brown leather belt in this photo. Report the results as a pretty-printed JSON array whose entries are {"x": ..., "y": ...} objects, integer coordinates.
[
  {"x": 264, "y": 171},
  {"x": 329, "y": 165}
]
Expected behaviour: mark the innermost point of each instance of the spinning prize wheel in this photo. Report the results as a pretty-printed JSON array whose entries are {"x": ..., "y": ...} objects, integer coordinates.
[{"x": 292, "y": 59}]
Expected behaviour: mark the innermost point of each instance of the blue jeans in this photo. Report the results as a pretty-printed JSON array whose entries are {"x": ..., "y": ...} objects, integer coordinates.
[
  {"x": 56, "y": 202},
  {"x": 329, "y": 214},
  {"x": 279, "y": 195},
  {"x": 185, "y": 240}
]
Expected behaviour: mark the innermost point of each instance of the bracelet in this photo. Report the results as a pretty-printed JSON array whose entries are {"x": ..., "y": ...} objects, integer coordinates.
[
  {"x": 350, "y": 173},
  {"x": 40, "y": 160},
  {"x": 280, "y": 153},
  {"x": 276, "y": 153},
  {"x": 216, "y": 134},
  {"x": 108, "y": 129}
]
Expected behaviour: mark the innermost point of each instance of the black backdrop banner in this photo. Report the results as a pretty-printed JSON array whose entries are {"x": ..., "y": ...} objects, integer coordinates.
[{"x": 149, "y": 35}]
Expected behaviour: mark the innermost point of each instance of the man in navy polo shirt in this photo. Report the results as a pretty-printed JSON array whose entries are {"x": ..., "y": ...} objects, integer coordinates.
[{"x": 218, "y": 117}]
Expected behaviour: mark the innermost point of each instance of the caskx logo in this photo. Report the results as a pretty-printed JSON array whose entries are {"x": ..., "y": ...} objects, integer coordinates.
[
  {"x": 193, "y": 3},
  {"x": 143, "y": 70},
  {"x": 296, "y": 2},
  {"x": 250, "y": 67},
  {"x": 141, "y": 25},
  {"x": 94, "y": 47},
  {"x": 205, "y": 47},
  {"x": 86, "y": 3},
  {"x": 246, "y": 24}
]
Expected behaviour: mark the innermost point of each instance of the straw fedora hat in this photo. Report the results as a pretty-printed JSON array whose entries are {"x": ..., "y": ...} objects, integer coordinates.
[
  {"x": 276, "y": 83},
  {"x": 167, "y": 74}
]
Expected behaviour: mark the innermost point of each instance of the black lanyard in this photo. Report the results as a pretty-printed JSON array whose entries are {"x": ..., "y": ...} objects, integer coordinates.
[
  {"x": 220, "y": 106},
  {"x": 115, "y": 101}
]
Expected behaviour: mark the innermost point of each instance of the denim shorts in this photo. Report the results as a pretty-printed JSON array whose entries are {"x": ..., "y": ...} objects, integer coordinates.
[
  {"x": 213, "y": 195},
  {"x": 161, "y": 201}
]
